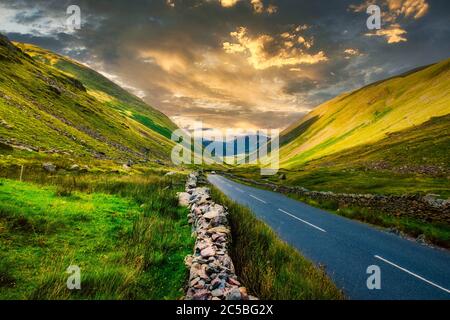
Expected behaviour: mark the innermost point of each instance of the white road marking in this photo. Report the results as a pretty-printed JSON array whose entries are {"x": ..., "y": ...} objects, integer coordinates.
[
  {"x": 304, "y": 221},
  {"x": 257, "y": 198},
  {"x": 240, "y": 190},
  {"x": 413, "y": 274}
]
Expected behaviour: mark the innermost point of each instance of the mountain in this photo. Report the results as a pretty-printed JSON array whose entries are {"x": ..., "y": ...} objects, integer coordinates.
[
  {"x": 250, "y": 144},
  {"x": 391, "y": 110},
  {"x": 52, "y": 104}
]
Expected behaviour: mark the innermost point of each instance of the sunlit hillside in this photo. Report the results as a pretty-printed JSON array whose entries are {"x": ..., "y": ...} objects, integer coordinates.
[
  {"x": 369, "y": 114},
  {"x": 65, "y": 108}
]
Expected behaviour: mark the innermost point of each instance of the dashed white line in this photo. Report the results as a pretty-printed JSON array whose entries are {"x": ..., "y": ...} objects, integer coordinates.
[
  {"x": 304, "y": 221},
  {"x": 260, "y": 200},
  {"x": 240, "y": 190},
  {"x": 413, "y": 274}
]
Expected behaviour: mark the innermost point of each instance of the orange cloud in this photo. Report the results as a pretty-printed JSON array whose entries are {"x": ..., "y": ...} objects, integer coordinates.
[
  {"x": 351, "y": 52},
  {"x": 393, "y": 34},
  {"x": 228, "y": 3},
  {"x": 257, "y": 5},
  {"x": 284, "y": 52}
]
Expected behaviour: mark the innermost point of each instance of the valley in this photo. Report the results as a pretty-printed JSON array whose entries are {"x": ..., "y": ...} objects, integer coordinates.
[{"x": 86, "y": 179}]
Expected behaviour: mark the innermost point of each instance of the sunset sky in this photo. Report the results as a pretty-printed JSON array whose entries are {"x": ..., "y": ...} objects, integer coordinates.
[{"x": 237, "y": 63}]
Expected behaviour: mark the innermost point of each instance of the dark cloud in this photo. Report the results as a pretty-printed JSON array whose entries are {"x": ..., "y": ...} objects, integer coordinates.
[{"x": 175, "y": 55}]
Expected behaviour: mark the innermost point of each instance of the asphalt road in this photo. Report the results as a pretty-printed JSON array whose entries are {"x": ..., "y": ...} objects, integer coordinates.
[{"x": 408, "y": 270}]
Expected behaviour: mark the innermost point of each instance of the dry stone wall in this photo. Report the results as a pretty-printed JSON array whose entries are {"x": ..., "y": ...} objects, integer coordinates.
[{"x": 212, "y": 275}]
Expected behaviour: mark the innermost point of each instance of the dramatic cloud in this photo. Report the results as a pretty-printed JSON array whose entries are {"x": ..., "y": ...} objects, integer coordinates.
[
  {"x": 393, "y": 12},
  {"x": 236, "y": 63},
  {"x": 393, "y": 34},
  {"x": 258, "y": 6},
  {"x": 265, "y": 51},
  {"x": 350, "y": 52}
]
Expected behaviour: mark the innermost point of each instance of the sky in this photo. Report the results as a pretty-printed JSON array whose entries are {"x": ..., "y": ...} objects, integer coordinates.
[{"x": 237, "y": 63}]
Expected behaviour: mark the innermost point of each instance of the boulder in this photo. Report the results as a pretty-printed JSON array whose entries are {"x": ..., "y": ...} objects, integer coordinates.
[
  {"x": 183, "y": 199},
  {"x": 74, "y": 167},
  {"x": 49, "y": 167}
]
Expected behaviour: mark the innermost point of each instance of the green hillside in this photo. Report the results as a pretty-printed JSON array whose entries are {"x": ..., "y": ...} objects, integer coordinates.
[
  {"x": 391, "y": 137},
  {"x": 369, "y": 115},
  {"x": 51, "y": 104}
]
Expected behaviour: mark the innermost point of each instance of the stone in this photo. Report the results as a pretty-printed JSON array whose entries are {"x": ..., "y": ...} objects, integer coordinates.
[
  {"x": 215, "y": 236},
  {"x": 217, "y": 293},
  {"x": 188, "y": 261},
  {"x": 199, "y": 285},
  {"x": 202, "y": 294},
  {"x": 233, "y": 282},
  {"x": 49, "y": 167},
  {"x": 219, "y": 229},
  {"x": 208, "y": 252},
  {"x": 211, "y": 214},
  {"x": 198, "y": 270},
  {"x": 421, "y": 239},
  {"x": 243, "y": 291},
  {"x": 233, "y": 294},
  {"x": 74, "y": 167},
  {"x": 216, "y": 282},
  {"x": 203, "y": 245},
  {"x": 195, "y": 281},
  {"x": 183, "y": 199}
]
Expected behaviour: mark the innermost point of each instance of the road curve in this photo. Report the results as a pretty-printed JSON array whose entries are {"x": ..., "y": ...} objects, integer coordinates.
[{"x": 347, "y": 248}]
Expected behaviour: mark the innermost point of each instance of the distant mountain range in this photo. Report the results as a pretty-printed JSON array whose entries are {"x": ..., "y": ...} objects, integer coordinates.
[{"x": 237, "y": 149}]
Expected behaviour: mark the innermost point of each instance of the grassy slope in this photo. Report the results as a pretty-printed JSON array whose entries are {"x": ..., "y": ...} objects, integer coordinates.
[
  {"x": 45, "y": 108},
  {"x": 369, "y": 115},
  {"x": 414, "y": 160},
  {"x": 105, "y": 90},
  {"x": 126, "y": 233}
]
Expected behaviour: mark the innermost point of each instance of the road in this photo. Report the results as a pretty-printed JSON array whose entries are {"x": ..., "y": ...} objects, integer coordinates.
[{"x": 408, "y": 270}]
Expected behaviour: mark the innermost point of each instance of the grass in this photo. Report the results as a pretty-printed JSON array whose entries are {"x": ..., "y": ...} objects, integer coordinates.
[
  {"x": 269, "y": 267},
  {"x": 126, "y": 233}
]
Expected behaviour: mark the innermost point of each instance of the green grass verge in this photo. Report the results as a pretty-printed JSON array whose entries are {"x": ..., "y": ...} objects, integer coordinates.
[
  {"x": 127, "y": 234},
  {"x": 269, "y": 267}
]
